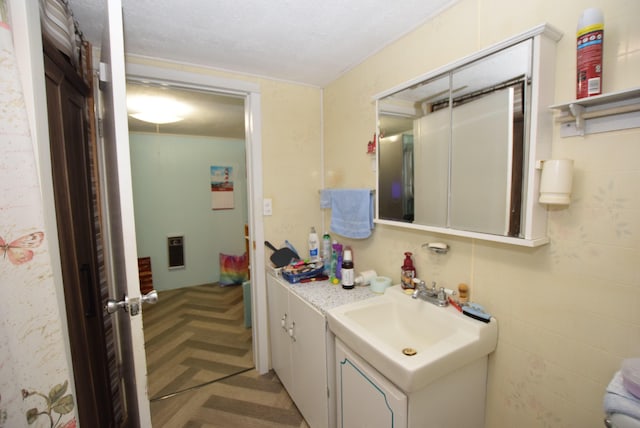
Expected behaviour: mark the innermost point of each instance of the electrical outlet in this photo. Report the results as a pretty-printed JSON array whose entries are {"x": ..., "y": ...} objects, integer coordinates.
[{"x": 267, "y": 207}]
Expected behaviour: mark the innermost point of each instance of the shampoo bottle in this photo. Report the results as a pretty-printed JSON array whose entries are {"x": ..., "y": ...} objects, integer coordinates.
[
  {"x": 314, "y": 244},
  {"x": 335, "y": 268},
  {"x": 338, "y": 248}
]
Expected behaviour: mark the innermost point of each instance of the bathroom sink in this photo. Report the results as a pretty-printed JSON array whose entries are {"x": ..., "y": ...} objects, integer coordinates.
[{"x": 410, "y": 341}]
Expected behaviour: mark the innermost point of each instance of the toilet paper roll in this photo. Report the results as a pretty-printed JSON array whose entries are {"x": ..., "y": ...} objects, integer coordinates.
[{"x": 380, "y": 283}]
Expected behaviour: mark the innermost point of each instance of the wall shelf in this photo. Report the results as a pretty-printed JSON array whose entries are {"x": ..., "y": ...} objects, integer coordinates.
[{"x": 601, "y": 113}]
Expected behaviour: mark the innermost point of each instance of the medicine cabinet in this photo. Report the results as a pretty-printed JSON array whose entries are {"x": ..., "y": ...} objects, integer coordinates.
[{"x": 458, "y": 146}]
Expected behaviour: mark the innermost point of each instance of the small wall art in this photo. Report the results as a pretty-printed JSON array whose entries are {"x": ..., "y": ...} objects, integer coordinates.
[{"x": 221, "y": 188}]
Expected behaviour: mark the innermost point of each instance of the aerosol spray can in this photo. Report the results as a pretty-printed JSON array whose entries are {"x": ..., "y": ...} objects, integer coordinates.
[{"x": 590, "y": 39}]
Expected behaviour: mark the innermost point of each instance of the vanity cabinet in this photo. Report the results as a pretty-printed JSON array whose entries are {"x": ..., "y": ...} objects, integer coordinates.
[
  {"x": 299, "y": 351},
  {"x": 364, "y": 397}
]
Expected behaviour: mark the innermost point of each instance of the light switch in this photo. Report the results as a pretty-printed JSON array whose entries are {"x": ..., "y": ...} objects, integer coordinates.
[{"x": 267, "y": 208}]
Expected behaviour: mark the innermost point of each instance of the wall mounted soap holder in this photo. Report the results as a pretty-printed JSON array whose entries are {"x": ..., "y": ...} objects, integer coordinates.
[{"x": 436, "y": 247}]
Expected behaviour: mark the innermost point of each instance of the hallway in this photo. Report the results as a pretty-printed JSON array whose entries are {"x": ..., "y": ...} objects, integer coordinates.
[
  {"x": 195, "y": 335},
  {"x": 200, "y": 364}
]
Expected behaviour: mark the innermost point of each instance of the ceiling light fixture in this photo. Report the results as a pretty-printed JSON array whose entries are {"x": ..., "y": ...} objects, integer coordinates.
[
  {"x": 158, "y": 110},
  {"x": 157, "y": 117}
]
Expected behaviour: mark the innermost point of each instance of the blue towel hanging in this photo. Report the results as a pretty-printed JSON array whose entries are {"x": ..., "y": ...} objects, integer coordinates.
[{"x": 351, "y": 211}]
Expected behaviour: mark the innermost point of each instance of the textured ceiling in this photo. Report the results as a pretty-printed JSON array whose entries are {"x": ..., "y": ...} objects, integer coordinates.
[{"x": 304, "y": 41}]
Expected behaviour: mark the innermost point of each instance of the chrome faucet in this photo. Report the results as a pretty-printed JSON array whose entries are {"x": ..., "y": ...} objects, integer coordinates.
[{"x": 432, "y": 295}]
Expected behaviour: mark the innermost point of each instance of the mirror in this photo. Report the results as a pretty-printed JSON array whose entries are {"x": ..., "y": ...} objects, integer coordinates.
[{"x": 453, "y": 147}]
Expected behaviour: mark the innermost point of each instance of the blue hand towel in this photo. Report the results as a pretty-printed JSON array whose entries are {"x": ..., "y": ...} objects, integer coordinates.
[
  {"x": 352, "y": 212},
  {"x": 618, "y": 400}
]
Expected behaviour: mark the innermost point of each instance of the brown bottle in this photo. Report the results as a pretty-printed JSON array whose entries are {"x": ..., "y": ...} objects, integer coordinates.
[{"x": 348, "y": 275}]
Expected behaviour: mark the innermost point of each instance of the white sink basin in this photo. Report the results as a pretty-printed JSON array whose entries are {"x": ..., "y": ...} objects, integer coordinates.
[{"x": 381, "y": 328}]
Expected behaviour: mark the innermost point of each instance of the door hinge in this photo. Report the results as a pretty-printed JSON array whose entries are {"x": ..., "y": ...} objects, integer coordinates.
[
  {"x": 103, "y": 76},
  {"x": 100, "y": 128}
]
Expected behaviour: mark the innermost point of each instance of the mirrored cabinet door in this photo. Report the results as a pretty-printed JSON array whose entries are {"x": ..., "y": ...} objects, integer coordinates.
[{"x": 455, "y": 151}]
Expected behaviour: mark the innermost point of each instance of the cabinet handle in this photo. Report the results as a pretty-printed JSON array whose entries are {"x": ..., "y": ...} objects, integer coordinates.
[
  {"x": 283, "y": 322},
  {"x": 291, "y": 331}
]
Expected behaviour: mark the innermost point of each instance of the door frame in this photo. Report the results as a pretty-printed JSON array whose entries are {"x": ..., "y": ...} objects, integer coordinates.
[{"x": 253, "y": 148}]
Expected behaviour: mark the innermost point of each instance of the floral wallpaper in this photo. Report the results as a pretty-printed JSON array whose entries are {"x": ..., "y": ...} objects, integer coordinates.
[{"x": 34, "y": 372}]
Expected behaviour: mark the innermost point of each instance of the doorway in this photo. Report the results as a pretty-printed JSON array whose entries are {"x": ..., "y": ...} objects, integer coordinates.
[
  {"x": 119, "y": 162},
  {"x": 198, "y": 332}
]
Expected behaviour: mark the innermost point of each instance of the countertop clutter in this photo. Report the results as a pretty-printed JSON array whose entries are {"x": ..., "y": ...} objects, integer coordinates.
[{"x": 324, "y": 296}]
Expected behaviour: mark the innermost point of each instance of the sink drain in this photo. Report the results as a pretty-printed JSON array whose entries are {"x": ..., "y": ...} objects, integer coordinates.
[{"x": 409, "y": 351}]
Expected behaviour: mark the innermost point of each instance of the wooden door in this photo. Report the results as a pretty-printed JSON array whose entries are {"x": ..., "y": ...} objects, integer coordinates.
[{"x": 66, "y": 104}]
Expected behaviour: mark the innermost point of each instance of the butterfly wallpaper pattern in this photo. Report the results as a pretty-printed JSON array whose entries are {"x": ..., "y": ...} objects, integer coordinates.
[{"x": 32, "y": 350}]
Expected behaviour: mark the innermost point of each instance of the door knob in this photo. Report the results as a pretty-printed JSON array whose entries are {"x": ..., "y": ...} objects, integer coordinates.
[
  {"x": 131, "y": 305},
  {"x": 113, "y": 305},
  {"x": 151, "y": 297}
]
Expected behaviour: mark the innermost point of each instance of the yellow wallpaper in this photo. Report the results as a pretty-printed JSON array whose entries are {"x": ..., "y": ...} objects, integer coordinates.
[{"x": 568, "y": 311}]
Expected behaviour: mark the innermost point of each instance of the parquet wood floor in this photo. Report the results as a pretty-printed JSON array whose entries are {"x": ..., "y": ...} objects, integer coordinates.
[
  {"x": 246, "y": 400},
  {"x": 196, "y": 340},
  {"x": 195, "y": 335}
]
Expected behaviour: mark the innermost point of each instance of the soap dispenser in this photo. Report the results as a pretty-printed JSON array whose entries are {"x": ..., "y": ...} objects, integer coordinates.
[{"x": 408, "y": 272}]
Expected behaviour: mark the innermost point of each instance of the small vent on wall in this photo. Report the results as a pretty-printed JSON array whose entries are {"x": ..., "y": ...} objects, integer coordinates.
[{"x": 176, "y": 251}]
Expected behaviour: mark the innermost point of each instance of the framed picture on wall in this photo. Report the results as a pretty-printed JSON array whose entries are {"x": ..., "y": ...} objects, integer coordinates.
[{"x": 221, "y": 187}]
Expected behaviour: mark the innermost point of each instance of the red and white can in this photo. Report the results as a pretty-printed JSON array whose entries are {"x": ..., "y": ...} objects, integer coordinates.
[{"x": 590, "y": 39}]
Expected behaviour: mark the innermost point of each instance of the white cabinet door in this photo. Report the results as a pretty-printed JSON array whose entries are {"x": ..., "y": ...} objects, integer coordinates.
[
  {"x": 298, "y": 351},
  {"x": 309, "y": 362},
  {"x": 365, "y": 397},
  {"x": 279, "y": 324}
]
